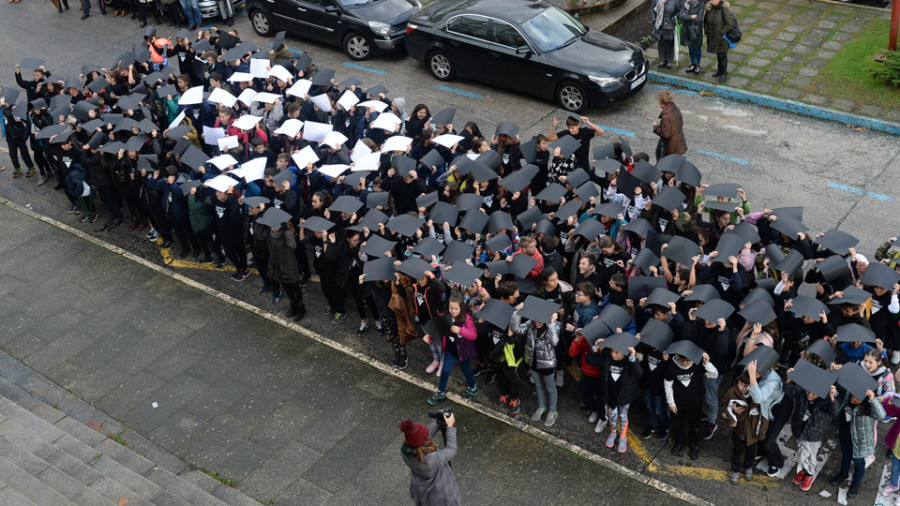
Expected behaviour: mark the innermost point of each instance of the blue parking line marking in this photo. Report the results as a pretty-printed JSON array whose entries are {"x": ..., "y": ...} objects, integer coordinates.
[
  {"x": 617, "y": 131},
  {"x": 367, "y": 69},
  {"x": 879, "y": 196},
  {"x": 458, "y": 92},
  {"x": 853, "y": 189},
  {"x": 726, "y": 158}
]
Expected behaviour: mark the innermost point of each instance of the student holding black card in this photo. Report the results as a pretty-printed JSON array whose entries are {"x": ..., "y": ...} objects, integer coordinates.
[{"x": 458, "y": 344}]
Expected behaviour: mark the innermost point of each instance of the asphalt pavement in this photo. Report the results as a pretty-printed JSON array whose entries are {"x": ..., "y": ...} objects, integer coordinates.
[{"x": 230, "y": 373}]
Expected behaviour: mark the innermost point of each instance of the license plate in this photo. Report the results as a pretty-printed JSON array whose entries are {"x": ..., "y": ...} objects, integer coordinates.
[{"x": 637, "y": 82}]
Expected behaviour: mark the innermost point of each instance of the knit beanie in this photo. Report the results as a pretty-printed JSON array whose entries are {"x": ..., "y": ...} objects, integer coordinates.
[{"x": 416, "y": 433}]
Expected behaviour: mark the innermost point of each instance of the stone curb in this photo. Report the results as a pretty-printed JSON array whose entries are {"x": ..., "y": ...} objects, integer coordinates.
[
  {"x": 780, "y": 104},
  {"x": 381, "y": 366}
]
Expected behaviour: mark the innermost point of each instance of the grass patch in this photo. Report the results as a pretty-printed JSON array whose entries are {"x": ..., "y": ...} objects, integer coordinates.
[
  {"x": 848, "y": 74},
  {"x": 117, "y": 438},
  {"x": 220, "y": 479}
]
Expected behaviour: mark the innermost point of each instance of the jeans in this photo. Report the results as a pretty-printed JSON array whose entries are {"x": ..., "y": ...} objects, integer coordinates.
[
  {"x": 17, "y": 146},
  {"x": 192, "y": 11},
  {"x": 666, "y": 50},
  {"x": 450, "y": 361},
  {"x": 722, "y": 60},
  {"x": 711, "y": 398},
  {"x": 545, "y": 382},
  {"x": 769, "y": 448},
  {"x": 895, "y": 469},
  {"x": 742, "y": 454},
  {"x": 859, "y": 465},
  {"x": 659, "y": 410},
  {"x": 86, "y": 6},
  {"x": 695, "y": 52},
  {"x": 593, "y": 391}
]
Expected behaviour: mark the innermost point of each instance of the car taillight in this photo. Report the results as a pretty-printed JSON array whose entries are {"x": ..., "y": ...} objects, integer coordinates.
[{"x": 410, "y": 28}]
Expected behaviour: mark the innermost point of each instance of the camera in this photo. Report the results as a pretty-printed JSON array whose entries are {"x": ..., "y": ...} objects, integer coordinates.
[{"x": 441, "y": 416}]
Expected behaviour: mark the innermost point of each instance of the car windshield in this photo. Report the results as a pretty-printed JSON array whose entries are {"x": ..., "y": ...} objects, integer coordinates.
[
  {"x": 355, "y": 3},
  {"x": 552, "y": 29}
]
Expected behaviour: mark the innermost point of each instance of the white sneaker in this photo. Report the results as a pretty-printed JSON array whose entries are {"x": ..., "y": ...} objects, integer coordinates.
[
  {"x": 559, "y": 379},
  {"x": 538, "y": 413},
  {"x": 895, "y": 357},
  {"x": 887, "y": 489},
  {"x": 601, "y": 424},
  {"x": 594, "y": 416}
]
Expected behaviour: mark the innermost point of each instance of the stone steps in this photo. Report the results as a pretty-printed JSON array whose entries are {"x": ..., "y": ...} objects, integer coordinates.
[{"x": 50, "y": 459}]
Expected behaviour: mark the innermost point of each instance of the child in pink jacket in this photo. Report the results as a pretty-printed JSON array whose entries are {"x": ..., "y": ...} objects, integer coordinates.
[
  {"x": 459, "y": 346},
  {"x": 893, "y": 443}
]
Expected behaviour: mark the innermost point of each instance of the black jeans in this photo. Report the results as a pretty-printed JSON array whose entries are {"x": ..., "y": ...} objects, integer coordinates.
[
  {"x": 666, "y": 49},
  {"x": 722, "y": 59},
  {"x": 111, "y": 200},
  {"x": 769, "y": 448},
  {"x": 235, "y": 251},
  {"x": 508, "y": 381},
  {"x": 295, "y": 295},
  {"x": 208, "y": 244},
  {"x": 593, "y": 391},
  {"x": 17, "y": 145},
  {"x": 742, "y": 454},
  {"x": 687, "y": 417}
]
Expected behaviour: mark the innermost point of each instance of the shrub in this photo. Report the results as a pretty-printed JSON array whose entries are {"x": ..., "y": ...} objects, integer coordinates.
[{"x": 890, "y": 70}]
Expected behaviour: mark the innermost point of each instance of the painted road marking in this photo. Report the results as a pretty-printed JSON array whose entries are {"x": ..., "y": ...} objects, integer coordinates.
[
  {"x": 617, "y": 131},
  {"x": 789, "y": 469},
  {"x": 367, "y": 69},
  {"x": 727, "y": 158},
  {"x": 700, "y": 473},
  {"x": 171, "y": 261},
  {"x": 457, "y": 91},
  {"x": 746, "y": 130},
  {"x": 858, "y": 191},
  {"x": 881, "y": 500}
]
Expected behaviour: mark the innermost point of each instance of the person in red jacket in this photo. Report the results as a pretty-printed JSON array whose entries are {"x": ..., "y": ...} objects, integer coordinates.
[
  {"x": 528, "y": 246},
  {"x": 593, "y": 385}
]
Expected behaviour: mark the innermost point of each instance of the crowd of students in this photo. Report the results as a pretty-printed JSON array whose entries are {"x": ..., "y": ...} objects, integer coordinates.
[{"x": 561, "y": 255}]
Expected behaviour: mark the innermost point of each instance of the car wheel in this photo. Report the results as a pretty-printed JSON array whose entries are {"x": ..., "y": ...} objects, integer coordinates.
[
  {"x": 440, "y": 66},
  {"x": 571, "y": 97},
  {"x": 261, "y": 23},
  {"x": 357, "y": 47}
]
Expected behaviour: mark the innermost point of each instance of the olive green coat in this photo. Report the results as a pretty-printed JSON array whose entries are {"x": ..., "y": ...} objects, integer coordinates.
[{"x": 716, "y": 23}]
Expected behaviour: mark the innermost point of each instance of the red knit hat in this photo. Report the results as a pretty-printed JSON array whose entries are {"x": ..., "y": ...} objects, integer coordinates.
[{"x": 416, "y": 433}]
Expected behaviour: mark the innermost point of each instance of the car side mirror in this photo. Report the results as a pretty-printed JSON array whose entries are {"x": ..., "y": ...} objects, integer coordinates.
[
  {"x": 523, "y": 50},
  {"x": 331, "y": 9}
]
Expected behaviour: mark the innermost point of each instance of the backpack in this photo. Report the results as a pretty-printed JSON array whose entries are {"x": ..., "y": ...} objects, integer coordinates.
[{"x": 735, "y": 34}]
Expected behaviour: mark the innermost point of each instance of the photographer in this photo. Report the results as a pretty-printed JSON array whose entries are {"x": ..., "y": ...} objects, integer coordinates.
[{"x": 431, "y": 480}]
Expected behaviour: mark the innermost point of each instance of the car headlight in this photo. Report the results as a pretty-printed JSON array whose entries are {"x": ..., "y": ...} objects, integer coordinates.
[
  {"x": 605, "y": 82},
  {"x": 380, "y": 28}
]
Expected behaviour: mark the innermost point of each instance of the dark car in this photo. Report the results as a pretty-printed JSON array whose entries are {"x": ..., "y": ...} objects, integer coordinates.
[
  {"x": 357, "y": 26},
  {"x": 528, "y": 46}
]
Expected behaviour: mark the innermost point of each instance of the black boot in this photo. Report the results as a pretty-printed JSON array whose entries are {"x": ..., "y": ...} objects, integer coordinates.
[
  {"x": 301, "y": 312},
  {"x": 677, "y": 447}
]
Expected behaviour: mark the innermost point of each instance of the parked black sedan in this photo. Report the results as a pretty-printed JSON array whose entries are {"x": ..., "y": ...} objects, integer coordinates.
[
  {"x": 354, "y": 25},
  {"x": 528, "y": 46}
]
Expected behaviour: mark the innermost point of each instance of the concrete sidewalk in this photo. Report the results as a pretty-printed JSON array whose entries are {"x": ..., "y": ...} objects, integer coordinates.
[{"x": 290, "y": 421}]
